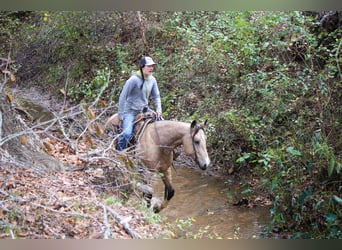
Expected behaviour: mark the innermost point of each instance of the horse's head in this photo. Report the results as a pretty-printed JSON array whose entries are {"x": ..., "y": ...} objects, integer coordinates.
[{"x": 199, "y": 142}]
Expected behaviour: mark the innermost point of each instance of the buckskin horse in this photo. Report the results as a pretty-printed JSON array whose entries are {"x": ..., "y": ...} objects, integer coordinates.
[{"x": 156, "y": 143}]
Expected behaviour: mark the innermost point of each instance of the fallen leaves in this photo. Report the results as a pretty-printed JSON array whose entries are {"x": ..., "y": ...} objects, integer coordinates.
[
  {"x": 64, "y": 204},
  {"x": 59, "y": 205}
]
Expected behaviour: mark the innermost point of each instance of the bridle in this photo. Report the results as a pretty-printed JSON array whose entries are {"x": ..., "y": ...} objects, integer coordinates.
[{"x": 197, "y": 129}]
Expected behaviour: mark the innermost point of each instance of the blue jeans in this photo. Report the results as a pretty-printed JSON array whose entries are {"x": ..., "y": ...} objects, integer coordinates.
[{"x": 127, "y": 130}]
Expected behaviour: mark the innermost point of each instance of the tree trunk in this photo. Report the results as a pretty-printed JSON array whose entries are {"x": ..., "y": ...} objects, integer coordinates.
[{"x": 142, "y": 29}]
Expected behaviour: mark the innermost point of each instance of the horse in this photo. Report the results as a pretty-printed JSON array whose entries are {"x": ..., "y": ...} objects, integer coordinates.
[{"x": 155, "y": 148}]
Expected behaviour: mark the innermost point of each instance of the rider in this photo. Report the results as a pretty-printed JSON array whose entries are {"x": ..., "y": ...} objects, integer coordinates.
[{"x": 134, "y": 98}]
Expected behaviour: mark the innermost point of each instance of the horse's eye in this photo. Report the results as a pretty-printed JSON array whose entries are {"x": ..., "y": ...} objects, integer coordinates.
[{"x": 197, "y": 142}]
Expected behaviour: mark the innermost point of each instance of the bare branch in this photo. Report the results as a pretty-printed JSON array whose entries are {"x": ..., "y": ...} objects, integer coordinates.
[
  {"x": 142, "y": 28},
  {"x": 12, "y": 234},
  {"x": 338, "y": 59},
  {"x": 0, "y": 125},
  {"x": 105, "y": 219},
  {"x": 123, "y": 222},
  {"x": 5, "y": 63}
]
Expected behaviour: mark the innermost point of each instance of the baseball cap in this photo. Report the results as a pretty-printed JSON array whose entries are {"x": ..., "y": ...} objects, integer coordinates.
[{"x": 146, "y": 60}]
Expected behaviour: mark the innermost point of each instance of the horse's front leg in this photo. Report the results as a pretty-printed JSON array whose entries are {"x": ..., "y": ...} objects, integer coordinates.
[{"x": 168, "y": 192}]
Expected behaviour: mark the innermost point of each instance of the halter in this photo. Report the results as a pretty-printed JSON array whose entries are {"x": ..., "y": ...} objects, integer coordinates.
[{"x": 198, "y": 128}]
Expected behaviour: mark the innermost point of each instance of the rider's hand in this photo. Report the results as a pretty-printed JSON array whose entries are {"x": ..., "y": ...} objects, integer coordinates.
[{"x": 158, "y": 115}]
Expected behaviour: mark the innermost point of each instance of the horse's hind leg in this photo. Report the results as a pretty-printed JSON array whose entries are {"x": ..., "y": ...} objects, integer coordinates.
[
  {"x": 148, "y": 197},
  {"x": 169, "y": 191}
]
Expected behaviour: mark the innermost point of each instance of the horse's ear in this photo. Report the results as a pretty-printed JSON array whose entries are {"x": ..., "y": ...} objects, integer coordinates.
[
  {"x": 193, "y": 124},
  {"x": 205, "y": 123}
]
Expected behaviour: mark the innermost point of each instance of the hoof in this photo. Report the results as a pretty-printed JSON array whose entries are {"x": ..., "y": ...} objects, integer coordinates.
[
  {"x": 156, "y": 209},
  {"x": 156, "y": 205}
]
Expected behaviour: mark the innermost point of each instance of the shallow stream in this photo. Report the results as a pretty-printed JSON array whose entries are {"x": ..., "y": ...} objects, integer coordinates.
[{"x": 202, "y": 210}]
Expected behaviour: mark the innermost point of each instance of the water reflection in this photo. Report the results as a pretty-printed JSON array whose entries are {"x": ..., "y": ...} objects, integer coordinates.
[{"x": 201, "y": 200}]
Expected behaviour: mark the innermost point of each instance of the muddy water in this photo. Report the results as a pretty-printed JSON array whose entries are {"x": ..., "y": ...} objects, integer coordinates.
[{"x": 201, "y": 200}]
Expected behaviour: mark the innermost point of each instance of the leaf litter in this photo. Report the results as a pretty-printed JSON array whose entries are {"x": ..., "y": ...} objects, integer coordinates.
[{"x": 66, "y": 204}]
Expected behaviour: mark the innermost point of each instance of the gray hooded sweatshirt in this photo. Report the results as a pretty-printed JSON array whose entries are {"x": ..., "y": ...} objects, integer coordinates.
[{"x": 133, "y": 98}]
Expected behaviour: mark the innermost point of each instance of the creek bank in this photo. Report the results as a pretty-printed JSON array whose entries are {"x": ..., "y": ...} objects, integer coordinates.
[
  {"x": 65, "y": 205},
  {"x": 78, "y": 202},
  {"x": 208, "y": 217}
]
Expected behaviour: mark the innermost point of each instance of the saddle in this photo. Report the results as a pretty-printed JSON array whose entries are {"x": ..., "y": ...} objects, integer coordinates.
[{"x": 141, "y": 121}]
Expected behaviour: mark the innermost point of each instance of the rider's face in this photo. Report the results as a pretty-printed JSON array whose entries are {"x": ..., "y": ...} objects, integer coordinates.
[{"x": 148, "y": 70}]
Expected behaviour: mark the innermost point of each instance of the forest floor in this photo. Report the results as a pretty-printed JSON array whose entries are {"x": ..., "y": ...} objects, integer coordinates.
[
  {"x": 75, "y": 203},
  {"x": 64, "y": 204}
]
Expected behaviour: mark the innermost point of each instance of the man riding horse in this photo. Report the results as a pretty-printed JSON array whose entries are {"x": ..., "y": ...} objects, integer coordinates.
[
  {"x": 157, "y": 141},
  {"x": 134, "y": 98}
]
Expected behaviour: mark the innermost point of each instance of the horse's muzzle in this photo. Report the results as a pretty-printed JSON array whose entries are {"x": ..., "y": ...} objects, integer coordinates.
[
  {"x": 204, "y": 164},
  {"x": 203, "y": 167}
]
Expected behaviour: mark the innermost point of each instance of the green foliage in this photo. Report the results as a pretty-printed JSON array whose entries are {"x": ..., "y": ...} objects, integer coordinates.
[
  {"x": 182, "y": 229},
  {"x": 268, "y": 82},
  {"x": 89, "y": 91},
  {"x": 112, "y": 200}
]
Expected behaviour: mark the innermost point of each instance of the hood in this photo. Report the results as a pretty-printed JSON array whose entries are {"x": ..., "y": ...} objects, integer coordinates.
[{"x": 138, "y": 73}]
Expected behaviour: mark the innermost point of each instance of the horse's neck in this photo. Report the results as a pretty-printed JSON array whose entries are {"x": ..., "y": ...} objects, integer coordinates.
[{"x": 171, "y": 133}]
